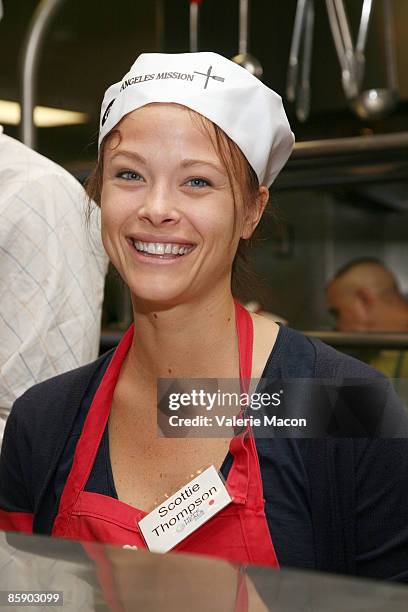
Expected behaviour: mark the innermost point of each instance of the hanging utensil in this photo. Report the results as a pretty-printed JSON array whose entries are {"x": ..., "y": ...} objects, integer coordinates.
[
  {"x": 377, "y": 103},
  {"x": 244, "y": 59},
  {"x": 194, "y": 13},
  {"x": 344, "y": 46},
  {"x": 294, "y": 51},
  {"x": 346, "y": 36},
  {"x": 303, "y": 94},
  {"x": 362, "y": 40}
]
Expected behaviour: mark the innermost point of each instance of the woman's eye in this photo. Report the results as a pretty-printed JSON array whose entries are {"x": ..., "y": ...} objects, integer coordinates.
[
  {"x": 129, "y": 175},
  {"x": 198, "y": 182}
]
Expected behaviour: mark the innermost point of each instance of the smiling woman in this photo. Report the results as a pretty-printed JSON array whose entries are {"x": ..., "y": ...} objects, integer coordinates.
[
  {"x": 168, "y": 206},
  {"x": 182, "y": 180}
]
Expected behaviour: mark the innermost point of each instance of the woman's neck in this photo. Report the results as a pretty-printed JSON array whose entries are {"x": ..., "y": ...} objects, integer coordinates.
[{"x": 191, "y": 340}]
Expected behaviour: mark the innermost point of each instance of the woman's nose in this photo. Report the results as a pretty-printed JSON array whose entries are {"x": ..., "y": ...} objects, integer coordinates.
[{"x": 158, "y": 207}]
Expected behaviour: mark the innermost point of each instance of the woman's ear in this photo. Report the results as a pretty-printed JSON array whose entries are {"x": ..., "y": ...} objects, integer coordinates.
[{"x": 255, "y": 212}]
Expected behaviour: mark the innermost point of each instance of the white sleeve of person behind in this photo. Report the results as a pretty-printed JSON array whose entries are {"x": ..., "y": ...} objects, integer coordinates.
[
  {"x": 52, "y": 270},
  {"x": 185, "y": 511}
]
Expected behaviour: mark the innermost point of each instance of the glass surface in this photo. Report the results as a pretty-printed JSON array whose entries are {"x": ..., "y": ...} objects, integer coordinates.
[{"x": 98, "y": 577}]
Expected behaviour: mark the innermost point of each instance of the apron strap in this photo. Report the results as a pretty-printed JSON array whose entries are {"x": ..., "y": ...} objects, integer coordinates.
[
  {"x": 245, "y": 333},
  {"x": 92, "y": 432},
  {"x": 239, "y": 480}
]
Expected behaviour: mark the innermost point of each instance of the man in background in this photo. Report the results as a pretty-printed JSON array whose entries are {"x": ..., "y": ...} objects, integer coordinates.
[
  {"x": 364, "y": 297},
  {"x": 52, "y": 271}
]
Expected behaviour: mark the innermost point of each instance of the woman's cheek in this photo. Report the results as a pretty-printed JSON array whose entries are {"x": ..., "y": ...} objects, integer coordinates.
[
  {"x": 216, "y": 219},
  {"x": 110, "y": 225},
  {"x": 115, "y": 209}
]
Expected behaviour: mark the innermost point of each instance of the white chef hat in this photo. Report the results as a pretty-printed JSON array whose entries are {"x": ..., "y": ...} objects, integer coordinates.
[{"x": 250, "y": 113}]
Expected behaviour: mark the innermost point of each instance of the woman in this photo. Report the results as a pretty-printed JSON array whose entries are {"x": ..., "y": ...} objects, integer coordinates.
[{"x": 188, "y": 146}]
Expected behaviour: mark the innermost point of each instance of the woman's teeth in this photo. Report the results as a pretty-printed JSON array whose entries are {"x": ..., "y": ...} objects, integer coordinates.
[{"x": 161, "y": 248}]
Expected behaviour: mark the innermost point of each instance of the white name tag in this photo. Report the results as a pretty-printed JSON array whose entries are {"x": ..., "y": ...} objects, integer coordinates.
[{"x": 185, "y": 511}]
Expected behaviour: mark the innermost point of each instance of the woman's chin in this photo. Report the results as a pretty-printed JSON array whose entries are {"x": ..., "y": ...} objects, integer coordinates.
[{"x": 158, "y": 297}]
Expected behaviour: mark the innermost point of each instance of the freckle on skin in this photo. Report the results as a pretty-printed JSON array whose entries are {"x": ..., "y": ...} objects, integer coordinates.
[
  {"x": 229, "y": 319},
  {"x": 169, "y": 370},
  {"x": 155, "y": 315}
]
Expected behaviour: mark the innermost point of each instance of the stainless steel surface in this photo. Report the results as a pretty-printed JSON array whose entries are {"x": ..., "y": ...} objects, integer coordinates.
[
  {"x": 357, "y": 339},
  {"x": 194, "y": 10},
  {"x": 32, "y": 46},
  {"x": 303, "y": 96},
  {"x": 377, "y": 103},
  {"x": 245, "y": 59},
  {"x": 101, "y": 578},
  {"x": 293, "y": 67},
  {"x": 334, "y": 146}
]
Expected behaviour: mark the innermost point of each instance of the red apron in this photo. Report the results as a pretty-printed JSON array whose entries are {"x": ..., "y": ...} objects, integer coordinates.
[{"x": 238, "y": 533}]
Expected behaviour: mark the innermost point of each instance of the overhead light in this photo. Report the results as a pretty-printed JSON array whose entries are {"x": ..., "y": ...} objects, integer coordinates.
[{"x": 44, "y": 116}]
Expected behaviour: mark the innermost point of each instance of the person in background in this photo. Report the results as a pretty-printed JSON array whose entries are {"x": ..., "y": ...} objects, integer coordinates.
[
  {"x": 52, "y": 271},
  {"x": 364, "y": 297}
]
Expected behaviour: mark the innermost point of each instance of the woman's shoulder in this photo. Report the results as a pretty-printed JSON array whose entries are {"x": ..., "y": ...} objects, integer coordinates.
[
  {"x": 54, "y": 398},
  {"x": 295, "y": 354},
  {"x": 357, "y": 391},
  {"x": 328, "y": 362},
  {"x": 331, "y": 363}
]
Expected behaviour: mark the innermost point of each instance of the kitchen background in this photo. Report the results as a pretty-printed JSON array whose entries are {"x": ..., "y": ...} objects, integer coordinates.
[{"x": 344, "y": 193}]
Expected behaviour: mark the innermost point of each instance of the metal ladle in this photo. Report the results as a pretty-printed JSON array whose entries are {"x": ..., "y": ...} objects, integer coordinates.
[
  {"x": 377, "y": 103},
  {"x": 244, "y": 59}
]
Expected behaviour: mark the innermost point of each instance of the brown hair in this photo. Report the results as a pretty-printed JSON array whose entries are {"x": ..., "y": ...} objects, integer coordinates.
[{"x": 239, "y": 173}]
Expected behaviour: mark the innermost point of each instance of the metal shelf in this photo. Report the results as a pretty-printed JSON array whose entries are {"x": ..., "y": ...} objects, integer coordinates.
[{"x": 357, "y": 339}]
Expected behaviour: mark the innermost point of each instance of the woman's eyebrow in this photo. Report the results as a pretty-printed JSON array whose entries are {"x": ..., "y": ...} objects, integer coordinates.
[
  {"x": 186, "y": 163},
  {"x": 132, "y": 154}
]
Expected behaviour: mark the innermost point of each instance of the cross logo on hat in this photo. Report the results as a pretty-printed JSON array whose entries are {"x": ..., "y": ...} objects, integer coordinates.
[{"x": 209, "y": 76}]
